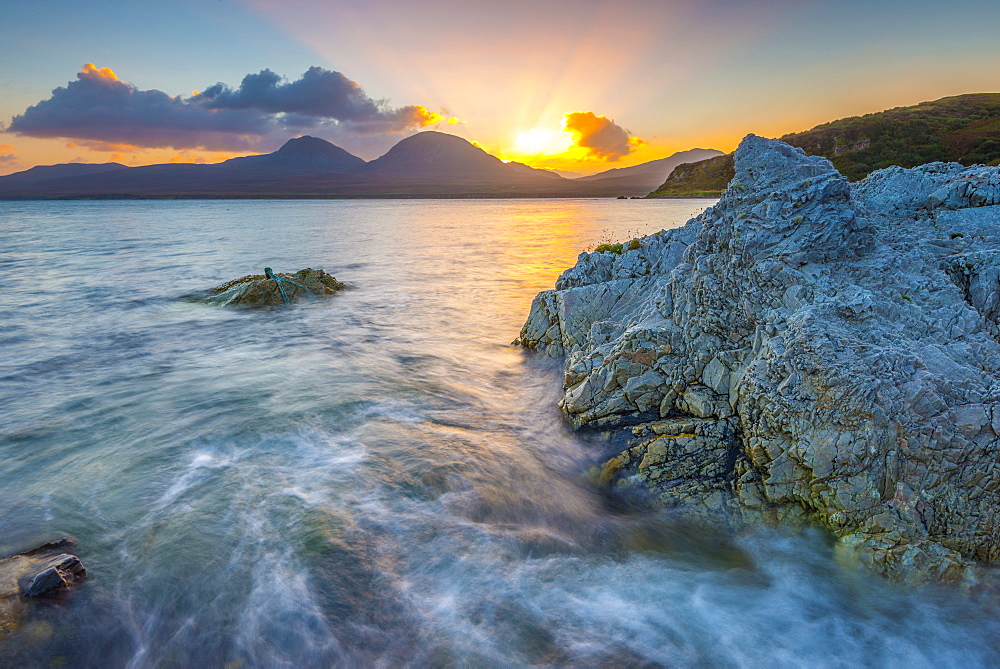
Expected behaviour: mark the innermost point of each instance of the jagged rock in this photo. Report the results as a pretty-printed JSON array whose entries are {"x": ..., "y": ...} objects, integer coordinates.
[
  {"x": 55, "y": 573},
  {"x": 38, "y": 573},
  {"x": 259, "y": 290},
  {"x": 844, "y": 334}
]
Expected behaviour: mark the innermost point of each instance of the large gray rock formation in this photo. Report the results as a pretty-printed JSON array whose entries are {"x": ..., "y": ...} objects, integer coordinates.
[{"x": 807, "y": 350}]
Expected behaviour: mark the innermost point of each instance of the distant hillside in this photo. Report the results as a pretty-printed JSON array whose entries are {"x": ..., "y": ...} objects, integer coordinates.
[
  {"x": 642, "y": 178},
  {"x": 707, "y": 178},
  {"x": 48, "y": 172},
  {"x": 963, "y": 129}
]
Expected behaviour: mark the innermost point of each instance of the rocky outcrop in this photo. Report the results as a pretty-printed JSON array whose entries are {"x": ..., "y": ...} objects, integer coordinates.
[
  {"x": 807, "y": 350},
  {"x": 43, "y": 572},
  {"x": 268, "y": 289}
]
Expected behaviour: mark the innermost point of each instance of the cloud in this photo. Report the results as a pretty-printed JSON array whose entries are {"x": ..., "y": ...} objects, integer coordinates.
[
  {"x": 600, "y": 136},
  {"x": 92, "y": 70},
  {"x": 7, "y": 153},
  {"x": 97, "y": 145},
  {"x": 317, "y": 94},
  {"x": 99, "y": 107}
]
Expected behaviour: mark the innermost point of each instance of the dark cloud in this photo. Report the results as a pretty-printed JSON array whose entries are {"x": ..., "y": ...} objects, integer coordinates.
[
  {"x": 602, "y": 137},
  {"x": 100, "y": 107},
  {"x": 319, "y": 93}
]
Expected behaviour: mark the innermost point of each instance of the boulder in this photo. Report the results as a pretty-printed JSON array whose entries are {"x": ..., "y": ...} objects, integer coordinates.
[
  {"x": 269, "y": 289},
  {"x": 842, "y": 338},
  {"x": 40, "y": 573}
]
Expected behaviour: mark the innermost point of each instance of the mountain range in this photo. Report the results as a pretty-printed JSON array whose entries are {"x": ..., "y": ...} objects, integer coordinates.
[{"x": 427, "y": 164}]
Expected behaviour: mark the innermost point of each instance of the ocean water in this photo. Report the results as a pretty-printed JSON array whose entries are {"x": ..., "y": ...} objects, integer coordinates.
[{"x": 377, "y": 479}]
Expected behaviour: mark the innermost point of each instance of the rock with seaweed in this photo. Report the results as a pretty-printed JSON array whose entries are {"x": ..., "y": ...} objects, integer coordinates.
[
  {"x": 270, "y": 289},
  {"x": 806, "y": 351},
  {"x": 40, "y": 574}
]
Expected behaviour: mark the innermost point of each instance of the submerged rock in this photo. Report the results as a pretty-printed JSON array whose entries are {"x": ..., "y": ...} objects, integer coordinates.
[
  {"x": 833, "y": 348},
  {"x": 45, "y": 571},
  {"x": 269, "y": 289}
]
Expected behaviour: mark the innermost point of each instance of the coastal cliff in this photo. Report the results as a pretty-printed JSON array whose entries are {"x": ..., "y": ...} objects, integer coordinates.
[{"x": 808, "y": 350}]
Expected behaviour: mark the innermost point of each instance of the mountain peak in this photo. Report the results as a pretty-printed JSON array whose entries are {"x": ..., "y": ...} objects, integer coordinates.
[
  {"x": 433, "y": 137},
  {"x": 307, "y": 144},
  {"x": 304, "y": 153},
  {"x": 437, "y": 142},
  {"x": 433, "y": 153}
]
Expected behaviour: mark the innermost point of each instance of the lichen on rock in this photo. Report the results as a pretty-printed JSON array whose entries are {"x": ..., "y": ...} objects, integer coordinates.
[
  {"x": 844, "y": 337},
  {"x": 260, "y": 290}
]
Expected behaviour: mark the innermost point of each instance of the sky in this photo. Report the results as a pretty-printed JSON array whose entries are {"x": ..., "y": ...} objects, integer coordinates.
[{"x": 580, "y": 86}]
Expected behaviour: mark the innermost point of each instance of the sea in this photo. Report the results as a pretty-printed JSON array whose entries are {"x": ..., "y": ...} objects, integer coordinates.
[{"x": 377, "y": 479}]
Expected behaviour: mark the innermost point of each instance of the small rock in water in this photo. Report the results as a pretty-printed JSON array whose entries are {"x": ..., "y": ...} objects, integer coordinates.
[
  {"x": 59, "y": 572},
  {"x": 269, "y": 289},
  {"x": 40, "y": 572}
]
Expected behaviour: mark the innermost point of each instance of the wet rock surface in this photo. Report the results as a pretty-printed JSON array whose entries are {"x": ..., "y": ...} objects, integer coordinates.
[
  {"x": 688, "y": 463},
  {"x": 260, "y": 290},
  {"x": 807, "y": 350},
  {"x": 47, "y": 571}
]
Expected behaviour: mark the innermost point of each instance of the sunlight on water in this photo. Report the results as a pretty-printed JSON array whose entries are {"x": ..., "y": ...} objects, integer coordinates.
[{"x": 374, "y": 479}]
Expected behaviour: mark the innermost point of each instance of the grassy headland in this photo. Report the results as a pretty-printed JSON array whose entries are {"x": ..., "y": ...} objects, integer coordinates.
[{"x": 963, "y": 129}]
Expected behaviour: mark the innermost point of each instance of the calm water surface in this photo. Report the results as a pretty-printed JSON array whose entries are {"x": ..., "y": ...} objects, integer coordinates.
[{"x": 378, "y": 479}]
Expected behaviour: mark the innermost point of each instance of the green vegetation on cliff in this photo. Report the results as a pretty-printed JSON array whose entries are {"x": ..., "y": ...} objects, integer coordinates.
[
  {"x": 707, "y": 178},
  {"x": 963, "y": 129}
]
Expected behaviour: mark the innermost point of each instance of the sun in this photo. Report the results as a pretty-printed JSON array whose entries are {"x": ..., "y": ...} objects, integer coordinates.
[{"x": 537, "y": 142}]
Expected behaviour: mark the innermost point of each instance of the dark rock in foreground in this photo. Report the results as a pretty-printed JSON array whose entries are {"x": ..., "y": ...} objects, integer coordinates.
[
  {"x": 42, "y": 572},
  {"x": 261, "y": 290},
  {"x": 807, "y": 350}
]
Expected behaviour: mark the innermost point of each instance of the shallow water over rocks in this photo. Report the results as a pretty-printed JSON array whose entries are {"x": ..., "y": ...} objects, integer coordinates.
[{"x": 378, "y": 477}]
